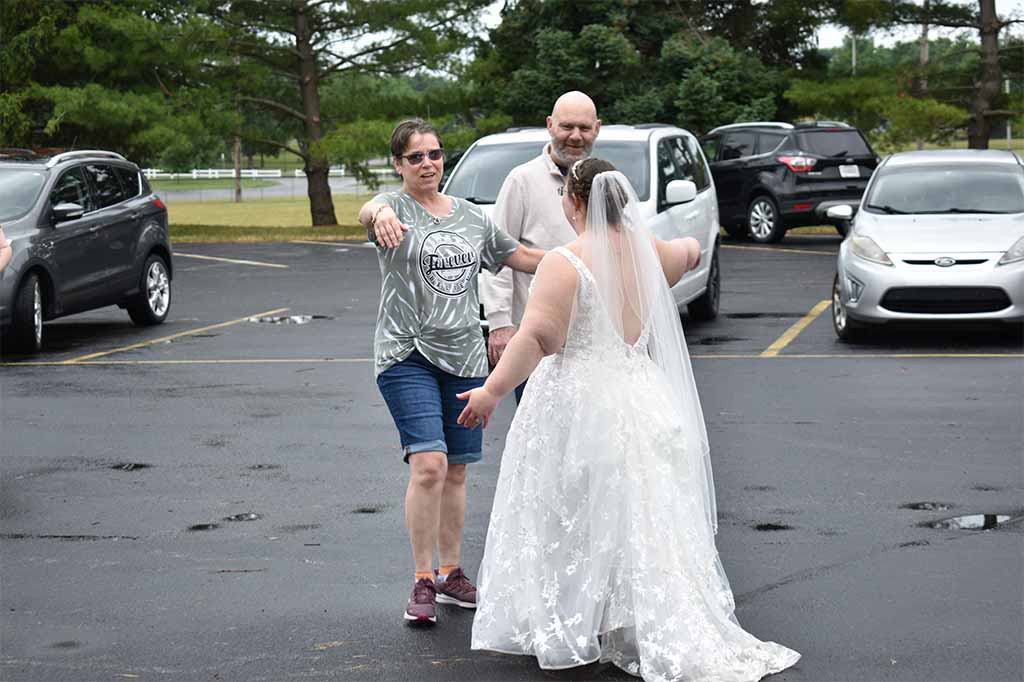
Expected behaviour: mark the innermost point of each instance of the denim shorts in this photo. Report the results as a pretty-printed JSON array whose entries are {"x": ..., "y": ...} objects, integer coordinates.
[{"x": 422, "y": 402}]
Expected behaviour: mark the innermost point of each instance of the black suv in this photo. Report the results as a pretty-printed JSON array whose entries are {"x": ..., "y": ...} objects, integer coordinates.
[
  {"x": 772, "y": 177},
  {"x": 86, "y": 232}
]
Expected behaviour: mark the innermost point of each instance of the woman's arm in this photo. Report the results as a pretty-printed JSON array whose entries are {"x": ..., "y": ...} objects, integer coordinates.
[
  {"x": 678, "y": 257},
  {"x": 542, "y": 332},
  {"x": 526, "y": 259},
  {"x": 382, "y": 222}
]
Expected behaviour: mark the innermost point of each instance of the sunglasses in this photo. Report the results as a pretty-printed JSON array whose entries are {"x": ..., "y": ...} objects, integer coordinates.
[{"x": 416, "y": 158}]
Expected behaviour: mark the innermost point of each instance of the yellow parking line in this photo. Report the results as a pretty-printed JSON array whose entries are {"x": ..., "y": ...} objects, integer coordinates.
[
  {"x": 794, "y": 331},
  {"x": 894, "y": 356},
  {"x": 143, "y": 344},
  {"x": 230, "y": 260},
  {"x": 769, "y": 248}
]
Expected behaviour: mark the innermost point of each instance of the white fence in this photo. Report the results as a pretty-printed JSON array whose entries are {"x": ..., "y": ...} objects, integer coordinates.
[{"x": 204, "y": 173}]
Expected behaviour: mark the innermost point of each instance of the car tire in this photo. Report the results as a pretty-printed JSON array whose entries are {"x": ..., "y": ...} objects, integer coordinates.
[
  {"x": 736, "y": 230},
  {"x": 846, "y": 328},
  {"x": 26, "y": 331},
  {"x": 764, "y": 221},
  {"x": 705, "y": 307},
  {"x": 151, "y": 305}
]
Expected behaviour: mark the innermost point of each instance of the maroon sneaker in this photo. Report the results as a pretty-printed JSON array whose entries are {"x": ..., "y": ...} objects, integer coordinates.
[
  {"x": 422, "y": 606},
  {"x": 456, "y": 589}
]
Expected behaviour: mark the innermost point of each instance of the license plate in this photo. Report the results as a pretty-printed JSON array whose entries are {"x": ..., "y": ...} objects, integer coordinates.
[{"x": 849, "y": 171}]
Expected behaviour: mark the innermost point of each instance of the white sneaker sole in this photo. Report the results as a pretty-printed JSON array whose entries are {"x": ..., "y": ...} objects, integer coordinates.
[
  {"x": 445, "y": 599},
  {"x": 416, "y": 619}
]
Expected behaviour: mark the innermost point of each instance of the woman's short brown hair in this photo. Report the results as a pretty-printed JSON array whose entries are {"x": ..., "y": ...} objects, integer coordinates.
[{"x": 405, "y": 130}]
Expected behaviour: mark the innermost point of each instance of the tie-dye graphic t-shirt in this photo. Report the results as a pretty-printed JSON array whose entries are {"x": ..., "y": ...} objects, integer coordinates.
[{"x": 428, "y": 293}]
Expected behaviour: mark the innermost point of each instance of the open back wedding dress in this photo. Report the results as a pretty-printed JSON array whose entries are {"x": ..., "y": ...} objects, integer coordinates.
[{"x": 601, "y": 539}]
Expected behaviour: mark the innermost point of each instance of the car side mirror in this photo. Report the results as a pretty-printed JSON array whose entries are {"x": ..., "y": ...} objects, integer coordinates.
[
  {"x": 67, "y": 211},
  {"x": 680, "y": 192},
  {"x": 840, "y": 212}
]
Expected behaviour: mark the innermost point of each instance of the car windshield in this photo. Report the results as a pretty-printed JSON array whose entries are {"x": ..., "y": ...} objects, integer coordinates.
[
  {"x": 19, "y": 189},
  {"x": 834, "y": 143},
  {"x": 485, "y": 168},
  {"x": 948, "y": 189}
]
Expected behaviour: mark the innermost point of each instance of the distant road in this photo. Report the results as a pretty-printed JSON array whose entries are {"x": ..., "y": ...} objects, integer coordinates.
[{"x": 287, "y": 187}]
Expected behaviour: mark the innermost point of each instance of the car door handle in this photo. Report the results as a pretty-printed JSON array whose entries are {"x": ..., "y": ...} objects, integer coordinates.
[
  {"x": 95, "y": 228},
  {"x": 135, "y": 215}
]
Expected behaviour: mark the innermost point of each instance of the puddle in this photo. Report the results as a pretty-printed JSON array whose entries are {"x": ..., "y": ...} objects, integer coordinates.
[
  {"x": 987, "y": 488},
  {"x": 772, "y": 526},
  {"x": 129, "y": 466},
  {"x": 203, "y": 526},
  {"x": 718, "y": 340},
  {"x": 969, "y": 522},
  {"x": 264, "y": 467},
  {"x": 67, "y": 644},
  {"x": 759, "y": 488},
  {"x": 370, "y": 510},
  {"x": 240, "y": 570},
  {"x": 915, "y": 543},
  {"x": 289, "y": 319},
  {"x": 66, "y": 538},
  {"x": 756, "y": 316},
  {"x": 927, "y": 506},
  {"x": 248, "y": 516}
]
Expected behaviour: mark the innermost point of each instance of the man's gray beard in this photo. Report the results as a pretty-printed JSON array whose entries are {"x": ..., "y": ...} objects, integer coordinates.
[{"x": 565, "y": 161}]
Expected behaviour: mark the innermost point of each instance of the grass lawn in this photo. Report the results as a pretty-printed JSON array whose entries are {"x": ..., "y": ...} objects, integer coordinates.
[
  {"x": 207, "y": 183},
  {"x": 269, "y": 220}
]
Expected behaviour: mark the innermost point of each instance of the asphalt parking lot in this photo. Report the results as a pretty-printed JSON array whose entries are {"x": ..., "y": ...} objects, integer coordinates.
[{"x": 219, "y": 498}]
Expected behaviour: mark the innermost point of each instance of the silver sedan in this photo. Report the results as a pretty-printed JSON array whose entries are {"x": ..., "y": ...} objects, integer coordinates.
[{"x": 939, "y": 235}]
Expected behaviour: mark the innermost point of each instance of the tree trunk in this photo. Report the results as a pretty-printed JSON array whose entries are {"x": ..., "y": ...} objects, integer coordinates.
[
  {"x": 979, "y": 128},
  {"x": 321, "y": 205},
  {"x": 922, "y": 81}
]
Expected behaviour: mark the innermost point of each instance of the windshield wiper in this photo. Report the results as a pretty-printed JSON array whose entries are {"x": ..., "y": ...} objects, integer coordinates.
[
  {"x": 842, "y": 153},
  {"x": 965, "y": 210},
  {"x": 887, "y": 209}
]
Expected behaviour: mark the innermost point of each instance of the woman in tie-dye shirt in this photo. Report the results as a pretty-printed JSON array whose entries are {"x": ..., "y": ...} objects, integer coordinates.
[{"x": 428, "y": 348}]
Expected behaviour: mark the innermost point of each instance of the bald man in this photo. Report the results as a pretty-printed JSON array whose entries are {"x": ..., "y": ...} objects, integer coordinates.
[{"x": 529, "y": 208}]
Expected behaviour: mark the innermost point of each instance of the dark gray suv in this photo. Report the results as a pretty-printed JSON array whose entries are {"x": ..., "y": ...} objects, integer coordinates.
[{"x": 86, "y": 232}]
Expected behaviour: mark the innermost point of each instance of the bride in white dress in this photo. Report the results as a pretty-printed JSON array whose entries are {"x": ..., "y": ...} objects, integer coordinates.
[{"x": 601, "y": 539}]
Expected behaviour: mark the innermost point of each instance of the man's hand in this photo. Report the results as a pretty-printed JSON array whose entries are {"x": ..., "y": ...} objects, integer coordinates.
[
  {"x": 388, "y": 229},
  {"x": 496, "y": 342}
]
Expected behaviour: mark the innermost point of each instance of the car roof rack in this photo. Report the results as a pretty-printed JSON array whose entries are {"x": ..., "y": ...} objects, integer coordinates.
[
  {"x": 823, "y": 124},
  {"x": 519, "y": 129},
  {"x": 644, "y": 126},
  {"x": 753, "y": 124},
  {"x": 64, "y": 156}
]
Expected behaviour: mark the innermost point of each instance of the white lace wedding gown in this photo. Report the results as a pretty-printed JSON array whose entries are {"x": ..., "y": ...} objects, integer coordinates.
[{"x": 599, "y": 547}]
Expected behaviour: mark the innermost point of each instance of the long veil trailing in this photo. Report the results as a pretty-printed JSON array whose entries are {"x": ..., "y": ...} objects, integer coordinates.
[{"x": 621, "y": 255}]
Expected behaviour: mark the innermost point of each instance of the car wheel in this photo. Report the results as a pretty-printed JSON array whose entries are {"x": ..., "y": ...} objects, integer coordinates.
[
  {"x": 26, "y": 332},
  {"x": 736, "y": 230},
  {"x": 846, "y": 329},
  {"x": 705, "y": 307},
  {"x": 151, "y": 304},
  {"x": 764, "y": 221}
]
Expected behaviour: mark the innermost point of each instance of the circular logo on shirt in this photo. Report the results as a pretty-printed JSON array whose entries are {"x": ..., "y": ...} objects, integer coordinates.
[{"x": 447, "y": 262}]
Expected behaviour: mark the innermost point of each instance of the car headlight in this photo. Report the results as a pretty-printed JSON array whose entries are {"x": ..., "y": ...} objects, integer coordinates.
[
  {"x": 1015, "y": 253},
  {"x": 866, "y": 248}
]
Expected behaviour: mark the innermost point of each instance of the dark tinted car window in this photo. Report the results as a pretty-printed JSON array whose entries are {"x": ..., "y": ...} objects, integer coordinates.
[
  {"x": 18, "y": 191},
  {"x": 71, "y": 188},
  {"x": 105, "y": 183},
  {"x": 737, "y": 145},
  {"x": 129, "y": 180},
  {"x": 768, "y": 142},
  {"x": 948, "y": 189},
  {"x": 833, "y": 143},
  {"x": 667, "y": 170},
  {"x": 698, "y": 168},
  {"x": 710, "y": 145}
]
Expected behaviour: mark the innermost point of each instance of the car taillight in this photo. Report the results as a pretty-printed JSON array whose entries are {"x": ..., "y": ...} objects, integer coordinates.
[
  {"x": 158, "y": 203},
  {"x": 798, "y": 164}
]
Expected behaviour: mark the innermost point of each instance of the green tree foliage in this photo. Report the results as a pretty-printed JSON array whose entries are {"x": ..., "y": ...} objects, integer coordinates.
[{"x": 120, "y": 75}]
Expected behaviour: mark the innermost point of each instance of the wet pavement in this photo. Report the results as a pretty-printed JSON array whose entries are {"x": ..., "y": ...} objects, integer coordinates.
[{"x": 226, "y": 504}]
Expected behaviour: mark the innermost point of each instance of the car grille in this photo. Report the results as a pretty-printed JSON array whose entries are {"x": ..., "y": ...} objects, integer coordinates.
[
  {"x": 960, "y": 261},
  {"x": 945, "y": 300}
]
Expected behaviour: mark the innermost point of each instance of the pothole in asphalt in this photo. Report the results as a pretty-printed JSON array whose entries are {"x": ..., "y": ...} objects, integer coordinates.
[
  {"x": 772, "y": 526},
  {"x": 289, "y": 319},
  {"x": 370, "y": 509},
  {"x": 927, "y": 506},
  {"x": 718, "y": 340},
  {"x": 248, "y": 516},
  {"x": 129, "y": 466},
  {"x": 969, "y": 522},
  {"x": 203, "y": 526}
]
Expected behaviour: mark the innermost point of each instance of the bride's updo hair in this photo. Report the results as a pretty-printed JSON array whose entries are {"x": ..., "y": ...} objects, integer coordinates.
[{"x": 581, "y": 181}]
